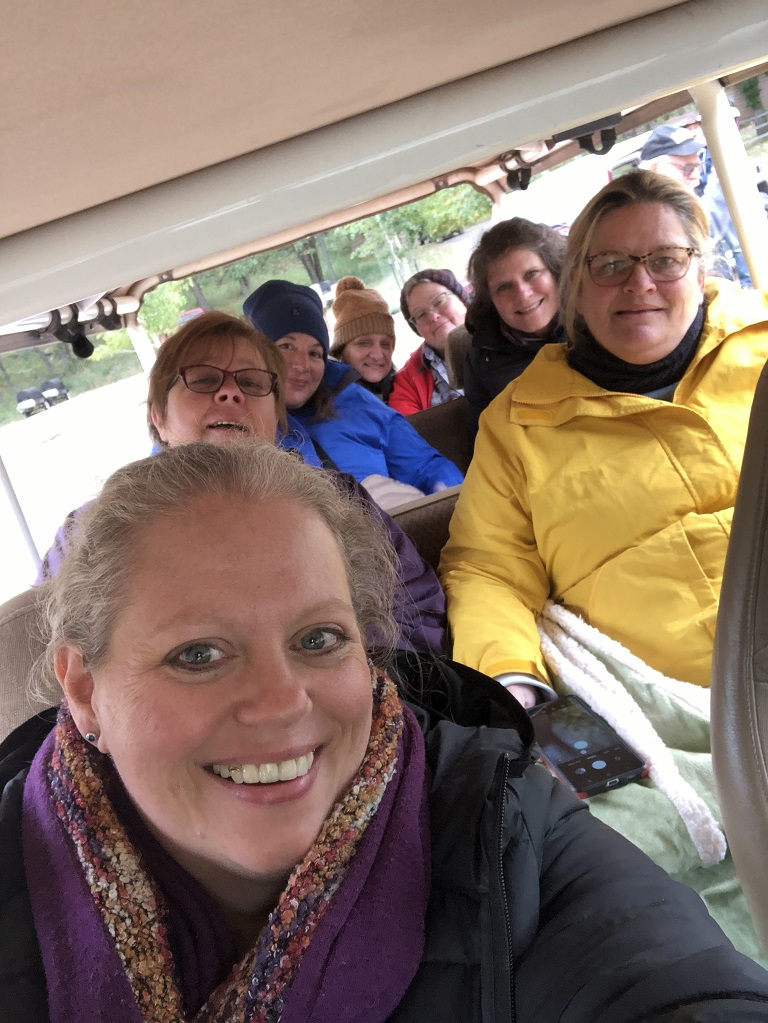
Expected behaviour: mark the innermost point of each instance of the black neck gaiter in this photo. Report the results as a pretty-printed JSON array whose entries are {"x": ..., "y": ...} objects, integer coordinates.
[{"x": 597, "y": 364}]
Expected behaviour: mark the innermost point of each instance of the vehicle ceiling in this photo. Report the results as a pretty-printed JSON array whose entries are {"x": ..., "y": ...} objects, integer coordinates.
[
  {"x": 143, "y": 141},
  {"x": 109, "y": 99}
]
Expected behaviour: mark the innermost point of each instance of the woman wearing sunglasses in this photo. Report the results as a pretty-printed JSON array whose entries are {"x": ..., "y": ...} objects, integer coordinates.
[{"x": 605, "y": 477}]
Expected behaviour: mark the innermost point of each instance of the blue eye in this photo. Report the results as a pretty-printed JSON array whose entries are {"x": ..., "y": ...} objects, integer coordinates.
[
  {"x": 321, "y": 640},
  {"x": 197, "y": 655}
]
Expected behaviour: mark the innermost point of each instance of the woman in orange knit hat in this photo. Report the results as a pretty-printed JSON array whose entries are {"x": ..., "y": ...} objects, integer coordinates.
[{"x": 364, "y": 335}]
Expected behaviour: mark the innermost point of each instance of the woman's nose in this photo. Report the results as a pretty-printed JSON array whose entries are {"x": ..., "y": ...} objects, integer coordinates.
[
  {"x": 640, "y": 279},
  {"x": 229, "y": 391},
  {"x": 271, "y": 694},
  {"x": 298, "y": 360}
]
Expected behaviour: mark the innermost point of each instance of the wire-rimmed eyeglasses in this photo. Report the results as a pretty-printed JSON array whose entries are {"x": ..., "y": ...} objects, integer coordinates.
[
  {"x": 208, "y": 379},
  {"x": 668, "y": 263},
  {"x": 437, "y": 305}
]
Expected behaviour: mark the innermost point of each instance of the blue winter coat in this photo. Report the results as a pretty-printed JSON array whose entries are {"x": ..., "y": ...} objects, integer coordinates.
[
  {"x": 366, "y": 437},
  {"x": 295, "y": 438}
]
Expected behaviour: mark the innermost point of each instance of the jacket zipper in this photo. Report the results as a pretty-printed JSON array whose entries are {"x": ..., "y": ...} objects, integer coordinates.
[{"x": 503, "y": 889}]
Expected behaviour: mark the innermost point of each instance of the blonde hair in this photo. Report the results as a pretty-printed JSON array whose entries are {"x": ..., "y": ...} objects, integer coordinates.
[
  {"x": 88, "y": 594},
  {"x": 639, "y": 186},
  {"x": 195, "y": 340}
]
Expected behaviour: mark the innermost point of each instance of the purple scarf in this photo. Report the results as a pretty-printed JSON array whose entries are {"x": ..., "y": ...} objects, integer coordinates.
[{"x": 340, "y": 954}]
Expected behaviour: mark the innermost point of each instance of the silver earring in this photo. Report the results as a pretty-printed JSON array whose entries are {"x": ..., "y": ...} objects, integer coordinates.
[{"x": 90, "y": 737}]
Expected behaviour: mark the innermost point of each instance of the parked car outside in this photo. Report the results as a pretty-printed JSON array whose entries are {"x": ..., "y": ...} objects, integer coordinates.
[{"x": 31, "y": 400}]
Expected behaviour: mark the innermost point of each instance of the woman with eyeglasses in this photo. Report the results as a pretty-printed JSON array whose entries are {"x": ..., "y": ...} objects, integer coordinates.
[
  {"x": 515, "y": 271},
  {"x": 220, "y": 381},
  {"x": 605, "y": 477},
  {"x": 434, "y": 303}
]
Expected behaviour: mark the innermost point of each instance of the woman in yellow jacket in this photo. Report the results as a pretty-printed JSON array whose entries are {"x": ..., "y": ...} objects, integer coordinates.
[{"x": 605, "y": 476}]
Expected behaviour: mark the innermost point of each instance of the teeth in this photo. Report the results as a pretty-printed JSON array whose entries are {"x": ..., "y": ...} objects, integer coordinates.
[{"x": 265, "y": 774}]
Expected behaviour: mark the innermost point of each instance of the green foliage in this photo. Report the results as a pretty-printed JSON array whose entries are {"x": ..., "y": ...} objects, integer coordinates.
[
  {"x": 105, "y": 346},
  {"x": 451, "y": 211},
  {"x": 160, "y": 309},
  {"x": 375, "y": 249},
  {"x": 750, "y": 90}
]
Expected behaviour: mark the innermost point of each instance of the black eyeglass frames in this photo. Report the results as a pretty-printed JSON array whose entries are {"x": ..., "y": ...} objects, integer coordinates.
[{"x": 208, "y": 379}]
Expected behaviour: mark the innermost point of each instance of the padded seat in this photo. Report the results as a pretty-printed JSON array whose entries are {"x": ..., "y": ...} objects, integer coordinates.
[
  {"x": 740, "y": 673},
  {"x": 446, "y": 428},
  {"x": 21, "y": 643},
  {"x": 457, "y": 346},
  {"x": 426, "y": 522}
]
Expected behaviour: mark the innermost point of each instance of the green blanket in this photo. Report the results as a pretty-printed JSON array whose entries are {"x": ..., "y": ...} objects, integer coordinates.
[{"x": 679, "y": 713}]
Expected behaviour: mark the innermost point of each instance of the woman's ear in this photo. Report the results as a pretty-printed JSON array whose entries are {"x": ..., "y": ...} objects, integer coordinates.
[
  {"x": 77, "y": 684},
  {"x": 158, "y": 424}
]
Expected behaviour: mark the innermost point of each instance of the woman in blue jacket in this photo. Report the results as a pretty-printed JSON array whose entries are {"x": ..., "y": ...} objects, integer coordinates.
[{"x": 352, "y": 429}]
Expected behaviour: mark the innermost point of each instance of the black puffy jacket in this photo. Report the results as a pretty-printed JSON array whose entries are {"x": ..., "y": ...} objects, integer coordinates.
[
  {"x": 538, "y": 912},
  {"x": 493, "y": 361}
]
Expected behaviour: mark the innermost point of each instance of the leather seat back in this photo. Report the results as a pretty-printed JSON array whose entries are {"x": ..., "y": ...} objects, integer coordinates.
[
  {"x": 740, "y": 672},
  {"x": 22, "y": 641}
]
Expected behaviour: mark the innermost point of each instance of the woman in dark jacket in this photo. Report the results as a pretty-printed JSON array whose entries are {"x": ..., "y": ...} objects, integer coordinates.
[
  {"x": 235, "y": 817},
  {"x": 515, "y": 271}
]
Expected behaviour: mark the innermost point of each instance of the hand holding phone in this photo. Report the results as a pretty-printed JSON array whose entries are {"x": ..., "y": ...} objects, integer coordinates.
[{"x": 582, "y": 750}]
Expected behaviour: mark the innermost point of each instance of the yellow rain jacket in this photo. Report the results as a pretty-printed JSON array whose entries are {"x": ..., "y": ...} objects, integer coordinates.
[{"x": 617, "y": 505}]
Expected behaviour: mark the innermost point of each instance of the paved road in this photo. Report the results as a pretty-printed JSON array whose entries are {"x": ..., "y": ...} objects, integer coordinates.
[{"x": 59, "y": 458}]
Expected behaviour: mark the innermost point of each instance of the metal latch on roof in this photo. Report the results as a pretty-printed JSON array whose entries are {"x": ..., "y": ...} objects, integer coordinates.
[{"x": 585, "y": 135}]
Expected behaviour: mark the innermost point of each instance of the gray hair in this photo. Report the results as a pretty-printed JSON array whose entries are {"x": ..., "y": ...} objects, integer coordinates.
[{"x": 89, "y": 592}]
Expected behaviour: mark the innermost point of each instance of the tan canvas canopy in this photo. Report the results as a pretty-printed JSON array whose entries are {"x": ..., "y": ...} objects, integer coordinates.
[{"x": 144, "y": 141}]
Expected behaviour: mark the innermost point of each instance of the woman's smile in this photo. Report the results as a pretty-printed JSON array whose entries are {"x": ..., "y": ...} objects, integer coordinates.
[{"x": 270, "y": 783}]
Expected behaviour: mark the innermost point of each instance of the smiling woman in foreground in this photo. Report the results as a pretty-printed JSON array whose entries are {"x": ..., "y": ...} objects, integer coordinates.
[{"x": 235, "y": 817}]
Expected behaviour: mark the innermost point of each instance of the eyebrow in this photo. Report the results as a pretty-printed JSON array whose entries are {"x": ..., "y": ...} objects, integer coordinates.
[
  {"x": 182, "y": 617},
  {"x": 292, "y": 337}
]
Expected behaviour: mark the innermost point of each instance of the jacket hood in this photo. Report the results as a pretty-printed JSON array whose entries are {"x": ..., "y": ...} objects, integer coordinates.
[{"x": 339, "y": 375}]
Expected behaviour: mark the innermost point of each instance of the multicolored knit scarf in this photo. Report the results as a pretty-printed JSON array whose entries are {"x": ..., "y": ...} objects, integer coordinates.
[{"x": 131, "y": 905}]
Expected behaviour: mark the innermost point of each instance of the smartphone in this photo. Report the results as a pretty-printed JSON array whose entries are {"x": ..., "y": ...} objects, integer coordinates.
[{"x": 582, "y": 750}]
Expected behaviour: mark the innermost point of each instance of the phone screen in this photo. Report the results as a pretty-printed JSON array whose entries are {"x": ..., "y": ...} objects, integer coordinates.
[{"x": 583, "y": 748}]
